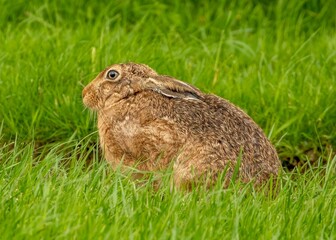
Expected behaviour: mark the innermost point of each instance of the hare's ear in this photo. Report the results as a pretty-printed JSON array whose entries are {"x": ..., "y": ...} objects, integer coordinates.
[{"x": 172, "y": 88}]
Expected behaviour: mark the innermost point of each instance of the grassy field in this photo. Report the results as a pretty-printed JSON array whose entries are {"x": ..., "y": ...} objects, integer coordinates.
[{"x": 275, "y": 60}]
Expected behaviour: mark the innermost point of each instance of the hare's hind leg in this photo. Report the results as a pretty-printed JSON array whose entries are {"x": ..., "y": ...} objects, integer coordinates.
[
  {"x": 201, "y": 170},
  {"x": 187, "y": 175}
]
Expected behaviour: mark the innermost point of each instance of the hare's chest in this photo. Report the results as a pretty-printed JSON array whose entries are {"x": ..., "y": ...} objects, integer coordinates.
[
  {"x": 125, "y": 134},
  {"x": 128, "y": 128},
  {"x": 119, "y": 137}
]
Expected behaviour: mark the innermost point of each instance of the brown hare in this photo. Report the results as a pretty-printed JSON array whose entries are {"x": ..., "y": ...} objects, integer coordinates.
[{"x": 151, "y": 121}]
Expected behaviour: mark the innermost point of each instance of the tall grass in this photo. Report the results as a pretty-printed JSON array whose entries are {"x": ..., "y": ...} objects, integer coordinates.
[
  {"x": 58, "y": 197},
  {"x": 276, "y": 60}
]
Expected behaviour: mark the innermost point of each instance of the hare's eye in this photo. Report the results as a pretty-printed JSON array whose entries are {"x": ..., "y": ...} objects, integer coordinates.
[{"x": 112, "y": 74}]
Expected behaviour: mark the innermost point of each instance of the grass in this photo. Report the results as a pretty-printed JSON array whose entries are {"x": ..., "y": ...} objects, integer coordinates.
[
  {"x": 58, "y": 197},
  {"x": 275, "y": 60}
]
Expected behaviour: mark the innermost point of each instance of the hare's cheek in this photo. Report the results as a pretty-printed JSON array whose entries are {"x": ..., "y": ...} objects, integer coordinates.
[{"x": 107, "y": 90}]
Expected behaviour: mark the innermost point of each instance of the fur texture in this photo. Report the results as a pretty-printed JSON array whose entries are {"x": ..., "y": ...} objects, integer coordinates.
[{"x": 153, "y": 121}]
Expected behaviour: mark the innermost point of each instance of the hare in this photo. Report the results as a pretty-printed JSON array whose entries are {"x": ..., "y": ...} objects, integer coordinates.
[{"x": 151, "y": 121}]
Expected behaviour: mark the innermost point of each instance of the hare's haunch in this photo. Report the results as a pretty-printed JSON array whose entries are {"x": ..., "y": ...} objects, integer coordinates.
[{"x": 154, "y": 121}]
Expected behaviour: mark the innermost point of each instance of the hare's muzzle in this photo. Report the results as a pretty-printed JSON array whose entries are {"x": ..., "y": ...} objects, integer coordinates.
[
  {"x": 84, "y": 92},
  {"x": 90, "y": 98}
]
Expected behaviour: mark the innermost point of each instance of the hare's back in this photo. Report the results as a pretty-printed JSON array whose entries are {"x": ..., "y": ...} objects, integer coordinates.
[
  {"x": 218, "y": 116},
  {"x": 234, "y": 126},
  {"x": 216, "y": 120}
]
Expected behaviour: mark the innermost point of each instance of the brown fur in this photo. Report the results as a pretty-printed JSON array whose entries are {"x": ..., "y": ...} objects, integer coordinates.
[{"x": 152, "y": 121}]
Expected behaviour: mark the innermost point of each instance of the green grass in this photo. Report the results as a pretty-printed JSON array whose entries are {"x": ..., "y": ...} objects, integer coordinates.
[
  {"x": 58, "y": 197},
  {"x": 276, "y": 60}
]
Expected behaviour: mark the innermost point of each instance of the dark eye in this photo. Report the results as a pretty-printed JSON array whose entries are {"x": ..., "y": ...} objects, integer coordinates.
[{"x": 112, "y": 74}]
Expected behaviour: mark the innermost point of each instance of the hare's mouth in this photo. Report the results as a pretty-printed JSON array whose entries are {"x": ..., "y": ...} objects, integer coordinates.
[{"x": 91, "y": 101}]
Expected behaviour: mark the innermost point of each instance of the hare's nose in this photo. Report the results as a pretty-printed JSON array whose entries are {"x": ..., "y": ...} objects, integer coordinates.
[{"x": 85, "y": 91}]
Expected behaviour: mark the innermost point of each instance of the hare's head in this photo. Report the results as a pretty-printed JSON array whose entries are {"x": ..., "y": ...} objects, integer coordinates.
[{"x": 121, "y": 81}]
